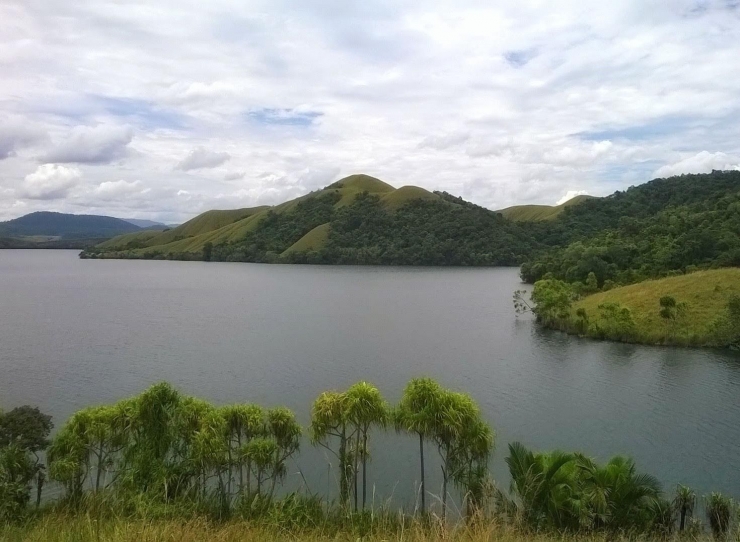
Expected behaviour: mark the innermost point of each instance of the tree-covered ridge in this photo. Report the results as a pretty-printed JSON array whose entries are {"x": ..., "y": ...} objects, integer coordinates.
[
  {"x": 664, "y": 226},
  {"x": 408, "y": 226}
]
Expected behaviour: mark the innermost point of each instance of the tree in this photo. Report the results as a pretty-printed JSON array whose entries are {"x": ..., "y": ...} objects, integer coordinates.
[
  {"x": 244, "y": 423},
  {"x": 329, "y": 420},
  {"x": 365, "y": 409},
  {"x": 719, "y": 512},
  {"x": 416, "y": 413},
  {"x": 684, "y": 503},
  {"x": 24, "y": 432},
  {"x": 552, "y": 300},
  {"x": 544, "y": 485},
  {"x": 286, "y": 432},
  {"x": 618, "y": 498}
]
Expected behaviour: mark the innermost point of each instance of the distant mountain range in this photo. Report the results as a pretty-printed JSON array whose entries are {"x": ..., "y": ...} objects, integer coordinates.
[{"x": 46, "y": 229}]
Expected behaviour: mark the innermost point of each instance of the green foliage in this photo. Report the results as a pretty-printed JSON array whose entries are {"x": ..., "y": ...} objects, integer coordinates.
[
  {"x": 571, "y": 491},
  {"x": 552, "y": 300},
  {"x": 684, "y": 503},
  {"x": 719, "y": 510},
  {"x": 681, "y": 223},
  {"x": 24, "y": 432}
]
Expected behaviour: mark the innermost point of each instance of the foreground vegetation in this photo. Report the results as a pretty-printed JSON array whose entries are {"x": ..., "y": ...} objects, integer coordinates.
[
  {"x": 164, "y": 466},
  {"x": 697, "y": 309}
]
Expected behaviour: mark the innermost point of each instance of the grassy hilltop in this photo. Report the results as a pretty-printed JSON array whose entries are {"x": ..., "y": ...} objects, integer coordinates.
[
  {"x": 357, "y": 220},
  {"x": 540, "y": 213}
]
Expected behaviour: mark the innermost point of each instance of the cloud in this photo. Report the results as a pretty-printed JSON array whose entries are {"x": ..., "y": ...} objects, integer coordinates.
[
  {"x": 49, "y": 182},
  {"x": 703, "y": 162},
  {"x": 444, "y": 141},
  {"x": 202, "y": 158},
  {"x": 92, "y": 145},
  {"x": 503, "y": 103},
  {"x": 15, "y": 136},
  {"x": 234, "y": 175},
  {"x": 119, "y": 189}
]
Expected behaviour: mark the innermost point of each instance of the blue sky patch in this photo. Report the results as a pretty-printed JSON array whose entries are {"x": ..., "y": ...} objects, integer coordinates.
[
  {"x": 642, "y": 132},
  {"x": 283, "y": 117},
  {"x": 520, "y": 58},
  {"x": 142, "y": 113}
]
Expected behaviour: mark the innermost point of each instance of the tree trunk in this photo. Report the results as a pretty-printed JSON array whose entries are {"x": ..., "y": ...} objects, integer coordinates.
[
  {"x": 444, "y": 490},
  {"x": 354, "y": 467},
  {"x": 683, "y": 519},
  {"x": 364, "y": 469},
  {"x": 39, "y": 487},
  {"x": 423, "y": 489},
  {"x": 241, "y": 465},
  {"x": 343, "y": 485}
]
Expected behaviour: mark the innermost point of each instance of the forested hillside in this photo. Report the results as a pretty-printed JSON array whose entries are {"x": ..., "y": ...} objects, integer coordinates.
[
  {"x": 357, "y": 220},
  {"x": 652, "y": 230},
  {"x": 661, "y": 227},
  {"x": 66, "y": 226}
]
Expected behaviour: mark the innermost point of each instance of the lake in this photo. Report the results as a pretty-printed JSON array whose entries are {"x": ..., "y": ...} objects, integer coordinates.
[{"x": 76, "y": 332}]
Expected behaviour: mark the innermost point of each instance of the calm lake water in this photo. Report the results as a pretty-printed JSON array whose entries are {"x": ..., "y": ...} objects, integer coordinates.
[{"x": 81, "y": 332}]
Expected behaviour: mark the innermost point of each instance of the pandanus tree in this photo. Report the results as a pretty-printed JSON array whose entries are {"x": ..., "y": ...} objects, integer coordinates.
[
  {"x": 365, "y": 409},
  {"x": 684, "y": 503},
  {"x": 416, "y": 413},
  {"x": 470, "y": 461},
  {"x": 285, "y": 431},
  {"x": 244, "y": 423},
  {"x": 329, "y": 423}
]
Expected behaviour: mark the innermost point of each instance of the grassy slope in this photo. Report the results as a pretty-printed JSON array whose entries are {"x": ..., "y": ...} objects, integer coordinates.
[
  {"x": 220, "y": 226},
  {"x": 87, "y": 529},
  {"x": 538, "y": 213},
  {"x": 705, "y": 292},
  {"x": 312, "y": 240}
]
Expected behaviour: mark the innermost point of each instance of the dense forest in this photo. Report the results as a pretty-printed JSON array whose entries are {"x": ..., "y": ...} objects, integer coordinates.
[
  {"x": 662, "y": 227},
  {"x": 652, "y": 230},
  {"x": 421, "y": 232},
  {"x": 163, "y": 454}
]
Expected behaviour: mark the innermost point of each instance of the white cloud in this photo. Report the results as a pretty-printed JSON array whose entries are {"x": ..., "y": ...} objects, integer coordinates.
[
  {"x": 50, "y": 181},
  {"x": 703, "y": 162},
  {"x": 16, "y": 135},
  {"x": 119, "y": 189},
  {"x": 201, "y": 158},
  {"x": 503, "y": 103},
  {"x": 92, "y": 145}
]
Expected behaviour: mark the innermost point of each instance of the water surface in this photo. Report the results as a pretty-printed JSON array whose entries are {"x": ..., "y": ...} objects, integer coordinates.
[{"x": 79, "y": 332}]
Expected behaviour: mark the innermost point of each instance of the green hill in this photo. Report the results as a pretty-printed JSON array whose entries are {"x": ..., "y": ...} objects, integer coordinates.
[
  {"x": 698, "y": 309},
  {"x": 358, "y": 219},
  {"x": 539, "y": 213},
  {"x": 647, "y": 231},
  {"x": 65, "y": 226}
]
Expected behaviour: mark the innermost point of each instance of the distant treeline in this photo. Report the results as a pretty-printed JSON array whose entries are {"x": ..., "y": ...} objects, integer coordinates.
[{"x": 164, "y": 453}]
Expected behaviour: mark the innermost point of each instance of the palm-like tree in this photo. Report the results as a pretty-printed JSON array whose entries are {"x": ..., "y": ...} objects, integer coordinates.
[
  {"x": 329, "y": 420},
  {"x": 684, "y": 503},
  {"x": 617, "y": 496},
  {"x": 416, "y": 413},
  {"x": 545, "y": 486},
  {"x": 244, "y": 423},
  {"x": 365, "y": 408}
]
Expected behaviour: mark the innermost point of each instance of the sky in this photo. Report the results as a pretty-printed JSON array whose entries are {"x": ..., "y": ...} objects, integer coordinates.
[{"x": 161, "y": 110}]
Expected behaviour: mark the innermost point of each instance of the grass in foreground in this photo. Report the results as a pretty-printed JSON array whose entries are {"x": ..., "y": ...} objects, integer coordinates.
[
  {"x": 63, "y": 528},
  {"x": 705, "y": 293}
]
